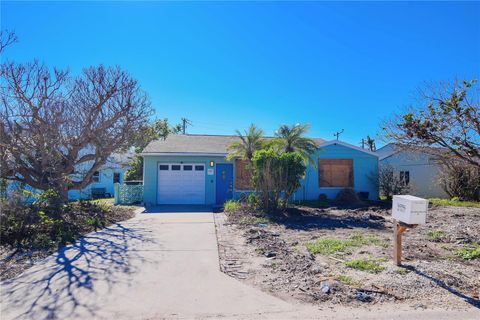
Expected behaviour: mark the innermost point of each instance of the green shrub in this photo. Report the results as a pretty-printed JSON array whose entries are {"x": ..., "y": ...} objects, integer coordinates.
[
  {"x": 231, "y": 205},
  {"x": 47, "y": 223},
  {"x": 276, "y": 176},
  {"x": 253, "y": 201},
  {"x": 366, "y": 264},
  {"x": 469, "y": 253}
]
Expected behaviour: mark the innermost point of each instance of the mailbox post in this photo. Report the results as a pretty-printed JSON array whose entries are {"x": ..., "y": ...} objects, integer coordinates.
[{"x": 408, "y": 212}]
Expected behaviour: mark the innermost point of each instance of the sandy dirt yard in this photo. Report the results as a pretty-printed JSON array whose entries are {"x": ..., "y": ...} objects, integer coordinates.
[{"x": 334, "y": 255}]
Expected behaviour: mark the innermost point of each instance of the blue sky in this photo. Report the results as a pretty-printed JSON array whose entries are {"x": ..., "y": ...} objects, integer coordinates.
[{"x": 224, "y": 65}]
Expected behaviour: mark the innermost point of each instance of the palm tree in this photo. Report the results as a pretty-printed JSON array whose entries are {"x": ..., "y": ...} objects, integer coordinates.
[
  {"x": 292, "y": 139},
  {"x": 250, "y": 141}
]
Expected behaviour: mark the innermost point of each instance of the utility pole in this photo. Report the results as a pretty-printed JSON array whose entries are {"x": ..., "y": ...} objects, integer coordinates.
[
  {"x": 338, "y": 134},
  {"x": 185, "y": 122}
]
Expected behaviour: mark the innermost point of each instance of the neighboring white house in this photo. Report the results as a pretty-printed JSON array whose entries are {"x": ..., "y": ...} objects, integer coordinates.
[
  {"x": 112, "y": 172},
  {"x": 419, "y": 170}
]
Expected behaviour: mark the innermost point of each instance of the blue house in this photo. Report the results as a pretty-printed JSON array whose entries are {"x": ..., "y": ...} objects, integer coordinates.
[{"x": 192, "y": 169}]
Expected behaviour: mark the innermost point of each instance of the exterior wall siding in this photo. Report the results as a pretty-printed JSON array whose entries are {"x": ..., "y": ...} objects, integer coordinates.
[
  {"x": 364, "y": 165},
  {"x": 424, "y": 174}
]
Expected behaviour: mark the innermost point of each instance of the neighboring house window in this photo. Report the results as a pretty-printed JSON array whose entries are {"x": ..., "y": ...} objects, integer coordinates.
[
  {"x": 96, "y": 176},
  {"x": 116, "y": 177},
  {"x": 335, "y": 173},
  {"x": 405, "y": 178},
  {"x": 243, "y": 176}
]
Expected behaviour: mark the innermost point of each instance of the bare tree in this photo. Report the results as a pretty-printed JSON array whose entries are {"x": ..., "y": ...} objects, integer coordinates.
[
  {"x": 56, "y": 130},
  {"x": 446, "y": 122},
  {"x": 388, "y": 181},
  {"x": 460, "y": 179},
  {"x": 7, "y": 38}
]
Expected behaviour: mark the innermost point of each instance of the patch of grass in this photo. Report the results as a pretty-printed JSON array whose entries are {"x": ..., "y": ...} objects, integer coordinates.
[
  {"x": 436, "y": 235},
  {"x": 231, "y": 205},
  {"x": 249, "y": 220},
  {"x": 261, "y": 220},
  {"x": 359, "y": 239},
  {"x": 103, "y": 201},
  {"x": 107, "y": 203},
  {"x": 402, "y": 271},
  {"x": 371, "y": 265},
  {"x": 454, "y": 202},
  {"x": 331, "y": 245},
  {"x": 327, "y": 246},
  {"x": 469, "y": 253},
  {"x": 346, "y": 280}
]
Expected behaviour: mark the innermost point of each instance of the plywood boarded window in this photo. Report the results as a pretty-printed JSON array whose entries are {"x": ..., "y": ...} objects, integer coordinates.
[
  {"x": 243, "y": 176},
  {"x": 335, "y": 173}
]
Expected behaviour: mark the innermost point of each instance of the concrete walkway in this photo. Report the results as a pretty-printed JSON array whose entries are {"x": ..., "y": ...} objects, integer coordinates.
[{"x": 155, "y": 266}]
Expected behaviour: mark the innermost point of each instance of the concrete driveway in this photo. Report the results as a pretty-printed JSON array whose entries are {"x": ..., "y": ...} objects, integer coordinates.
[{"x": 155, "y": 266}]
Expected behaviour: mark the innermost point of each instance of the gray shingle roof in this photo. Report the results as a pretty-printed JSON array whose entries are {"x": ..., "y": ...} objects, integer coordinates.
[{"x": 190, "y": 143}]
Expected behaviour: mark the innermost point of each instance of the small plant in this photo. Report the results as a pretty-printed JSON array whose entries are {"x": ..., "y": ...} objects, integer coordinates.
[
  {"x": 96, "y": 222},
  {"x": 346, "y": 280},
  {"x": 469, "y": 253},
  {"x": 231, "y": 205},
  {"x": 402, "y": 271},
  {"x": 366, "y": 264},
  {"x": 435, "y": 235},
  {"x": 261, "y": 220},
  {"x": 253, "y": 201}
]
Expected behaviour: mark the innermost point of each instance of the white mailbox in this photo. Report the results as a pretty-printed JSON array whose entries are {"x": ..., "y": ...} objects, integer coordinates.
[{"x": 410, "y": 209}]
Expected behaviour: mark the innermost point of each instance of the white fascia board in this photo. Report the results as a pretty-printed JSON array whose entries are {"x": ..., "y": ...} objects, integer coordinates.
[
  {"x": 189, "y": 154},
  {"x": 348, "y": 145},
  {"x": 388, "y": 155}
]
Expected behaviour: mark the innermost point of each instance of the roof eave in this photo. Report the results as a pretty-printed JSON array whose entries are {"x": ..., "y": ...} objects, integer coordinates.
[
  {"x": 348, "y": 145},
  {"x": 189, "y": 154}
]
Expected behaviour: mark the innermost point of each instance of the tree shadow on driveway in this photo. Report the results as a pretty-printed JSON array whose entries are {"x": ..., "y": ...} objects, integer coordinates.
[{"x": 70, "y": 282}]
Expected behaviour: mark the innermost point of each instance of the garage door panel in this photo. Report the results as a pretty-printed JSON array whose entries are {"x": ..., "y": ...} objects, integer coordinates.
[{"x": 181, "y": 186}]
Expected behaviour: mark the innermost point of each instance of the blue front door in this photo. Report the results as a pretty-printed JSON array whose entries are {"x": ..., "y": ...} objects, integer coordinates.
[{"x": 224, "y": 183}]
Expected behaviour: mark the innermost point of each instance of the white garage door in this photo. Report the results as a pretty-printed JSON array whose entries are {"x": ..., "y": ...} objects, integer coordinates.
[{"x": 181, "y": 183}]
